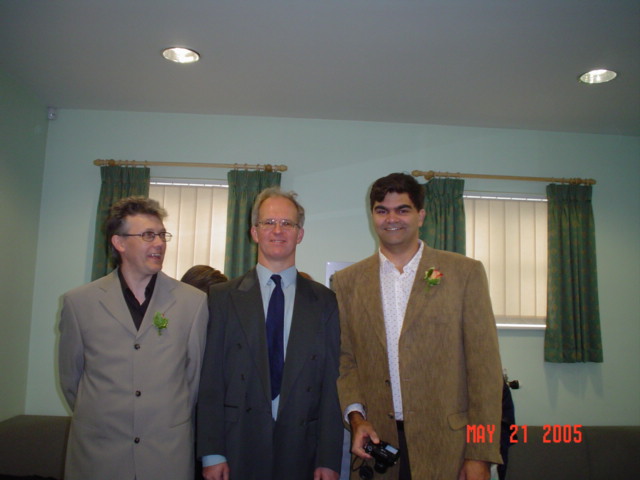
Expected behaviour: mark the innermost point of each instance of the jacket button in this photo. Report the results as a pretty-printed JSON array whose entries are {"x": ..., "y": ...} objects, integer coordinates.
[
  {"x": 387, "y": 382},
  {"x": 138, "y": 393},
  {"x": 391, "y": 415},
  {"x": 136, "y": 440},
  {"x": 137, "y": 346}
]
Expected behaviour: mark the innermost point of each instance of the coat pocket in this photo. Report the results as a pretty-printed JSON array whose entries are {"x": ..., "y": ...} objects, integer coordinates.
[
  {"x": 231, "y": 413},
  {"x": 458, "y": 420}
]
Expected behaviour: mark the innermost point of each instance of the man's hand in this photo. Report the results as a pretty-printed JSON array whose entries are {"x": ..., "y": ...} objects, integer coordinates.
[
  {"x": 474, "y": 470},
  {"x": 323, "y": 473},
  {"x": 361, "y": 432},
  {"x": 216, "y": 472}
]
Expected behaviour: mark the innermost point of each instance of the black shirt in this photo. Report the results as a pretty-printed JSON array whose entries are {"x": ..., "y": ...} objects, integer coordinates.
[{"x": 137, "y": 310}]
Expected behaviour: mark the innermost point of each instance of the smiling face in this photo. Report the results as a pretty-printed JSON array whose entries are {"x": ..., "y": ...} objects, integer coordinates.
[
  {"x": 139, "y": 258},
  {"x": 397, "y": 222},
  {"x": 276, "y": 246}
]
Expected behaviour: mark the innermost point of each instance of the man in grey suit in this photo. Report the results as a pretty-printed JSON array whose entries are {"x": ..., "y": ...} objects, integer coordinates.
[
  {"x": 263, "y": 414},
  {"x": 130, "y": 353}
]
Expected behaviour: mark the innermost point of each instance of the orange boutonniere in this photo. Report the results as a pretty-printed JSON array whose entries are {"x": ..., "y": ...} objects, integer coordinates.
[{"x": 432, "y": 277}]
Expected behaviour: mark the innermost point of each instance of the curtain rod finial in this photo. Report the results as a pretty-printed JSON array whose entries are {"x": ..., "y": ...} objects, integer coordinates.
[{"x": 426, "y": 175}]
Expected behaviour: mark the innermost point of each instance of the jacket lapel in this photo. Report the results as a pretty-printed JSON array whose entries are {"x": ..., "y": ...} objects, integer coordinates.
[
  {"x": 305, "y": 323},
  {"x": 420, "y": 296},
  {"x": 372, "y": 304},
  {"x": 114, "y": 303},
  {"x": 161, "y": 300},
  {"x": 247, "y": 302}
]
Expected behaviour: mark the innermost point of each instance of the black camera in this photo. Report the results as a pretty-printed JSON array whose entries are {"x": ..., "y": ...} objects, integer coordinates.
[{"x": 384, "y": 454}]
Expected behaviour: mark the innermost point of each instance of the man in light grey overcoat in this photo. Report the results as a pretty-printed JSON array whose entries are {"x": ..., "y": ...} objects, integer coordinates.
[{"x": 130, "y": 353}]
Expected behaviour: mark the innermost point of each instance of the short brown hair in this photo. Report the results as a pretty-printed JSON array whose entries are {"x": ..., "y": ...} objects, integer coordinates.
[
  {"x": 203, "y": 276},
  {"x": 397, "y": 183}
]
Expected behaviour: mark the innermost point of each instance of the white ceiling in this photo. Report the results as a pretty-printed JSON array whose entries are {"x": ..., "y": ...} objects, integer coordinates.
[{"x": 491, "y": 63}]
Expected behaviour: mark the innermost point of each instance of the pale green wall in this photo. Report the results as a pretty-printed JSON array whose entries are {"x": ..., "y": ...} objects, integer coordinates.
[
  {"x": 331, "y": 164},
  {"x": 23, "y": 132}
]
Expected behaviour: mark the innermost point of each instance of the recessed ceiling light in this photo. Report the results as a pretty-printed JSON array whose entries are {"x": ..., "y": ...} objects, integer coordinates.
[
  {"x": 180, "y": 55},
  {"x": 598, "y": 76}
]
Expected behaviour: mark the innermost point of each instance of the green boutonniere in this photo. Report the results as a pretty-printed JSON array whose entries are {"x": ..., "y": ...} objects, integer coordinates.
[
  {"x": 432, "y": 277},
  {"x": 160, "y": 322}
]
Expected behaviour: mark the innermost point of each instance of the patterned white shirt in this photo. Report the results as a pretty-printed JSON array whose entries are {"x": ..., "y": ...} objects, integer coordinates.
[{"x": 395, "y": 288}]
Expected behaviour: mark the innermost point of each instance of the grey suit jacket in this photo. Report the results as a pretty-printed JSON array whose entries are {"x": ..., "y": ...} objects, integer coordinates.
[
  {"x": 132, "y": 392},
  {"x": 234, "y": 415},
  {"x": 449, "y": 361}
]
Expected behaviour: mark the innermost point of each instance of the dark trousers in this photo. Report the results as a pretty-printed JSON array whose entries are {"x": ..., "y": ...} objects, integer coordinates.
[{"x": 405, "y": 466}]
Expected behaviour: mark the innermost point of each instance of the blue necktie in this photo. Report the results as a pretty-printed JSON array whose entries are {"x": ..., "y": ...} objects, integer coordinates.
[{"x": 275, "y": 335}]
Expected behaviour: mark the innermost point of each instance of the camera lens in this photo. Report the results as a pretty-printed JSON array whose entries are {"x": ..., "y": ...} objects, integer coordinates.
[
  {"x": 380, "y": 467},
  {"x": 365, "y": 472}
]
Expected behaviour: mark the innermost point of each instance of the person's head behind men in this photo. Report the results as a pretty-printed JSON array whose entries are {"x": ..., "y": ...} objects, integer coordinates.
[
  {"x": 277, "y": 221},
  {"x": 131, "y": 222},
  {"x": 397, "y": 211},
  {"x": 203, "y": 276}
]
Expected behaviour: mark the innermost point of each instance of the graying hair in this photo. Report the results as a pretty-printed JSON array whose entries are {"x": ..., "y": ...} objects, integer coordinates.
[
  {"x": 128, "y": 207},
  {"x": 272, "y": 192}
]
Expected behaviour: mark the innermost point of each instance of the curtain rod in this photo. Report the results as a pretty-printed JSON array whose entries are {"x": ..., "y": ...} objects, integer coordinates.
[
  {"x": 237, "y": 166},
  {"x": 573, "y": 181}
]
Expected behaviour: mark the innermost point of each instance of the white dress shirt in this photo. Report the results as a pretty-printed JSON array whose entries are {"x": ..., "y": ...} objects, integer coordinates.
[{"x": 395, "y": 288}]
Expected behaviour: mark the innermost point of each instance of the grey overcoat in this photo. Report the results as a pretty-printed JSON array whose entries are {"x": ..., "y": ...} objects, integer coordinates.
[
  {"x": 132, "y": 392},
  {"x": 234, "y": 408}
]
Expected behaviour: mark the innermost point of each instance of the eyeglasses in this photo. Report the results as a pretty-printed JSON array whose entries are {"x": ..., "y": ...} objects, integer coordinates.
[
  {"x": 270, "y": 224},
  {"x": 149, "y": 236}
]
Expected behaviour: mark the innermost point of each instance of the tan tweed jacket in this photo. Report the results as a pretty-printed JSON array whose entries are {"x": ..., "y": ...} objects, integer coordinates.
[{"x": 450, "y": 367}]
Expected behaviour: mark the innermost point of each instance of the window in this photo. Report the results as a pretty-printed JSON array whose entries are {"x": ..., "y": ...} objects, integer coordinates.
[
  {"x": 197, "y": 219},
  {"x": 509, "y": 236}
]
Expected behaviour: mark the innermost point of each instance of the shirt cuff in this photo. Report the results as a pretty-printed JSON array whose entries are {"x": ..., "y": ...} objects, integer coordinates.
[
  {"x": 211, "y": 460},
  {"x": 354, "y": 407}
]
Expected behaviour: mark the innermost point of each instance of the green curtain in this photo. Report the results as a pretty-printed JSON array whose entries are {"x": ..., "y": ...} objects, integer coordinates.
[
  {"x": 444, "y": 223},
  {"x": 117, "y": 183},
  {"x": 241, "y": 253},
  {"x": 573, "y": 316}
]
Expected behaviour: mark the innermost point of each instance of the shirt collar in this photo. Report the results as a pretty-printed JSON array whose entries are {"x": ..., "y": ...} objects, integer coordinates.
[
  {"x": 288, "y": 276},
  {"x": 148, "y": 291},
  {"x": 386, "y": 266}
]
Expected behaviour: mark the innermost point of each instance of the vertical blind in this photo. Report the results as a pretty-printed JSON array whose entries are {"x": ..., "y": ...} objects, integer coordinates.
[
  {"x": 509, "y": 236},
  {"x": 198, "y": 220}
]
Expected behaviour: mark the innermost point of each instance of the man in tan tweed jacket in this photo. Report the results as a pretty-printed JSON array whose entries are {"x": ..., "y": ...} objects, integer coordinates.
[{"x": 420, "y": 358}]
